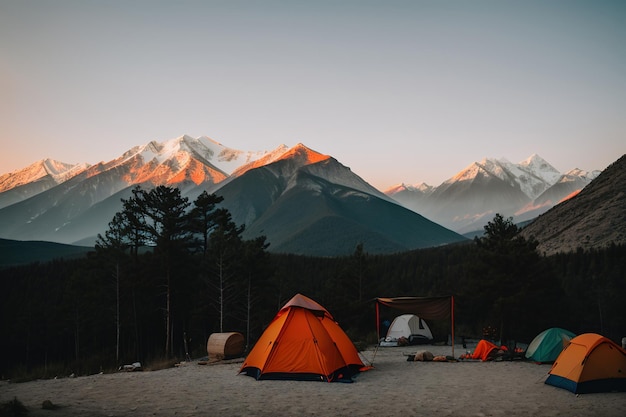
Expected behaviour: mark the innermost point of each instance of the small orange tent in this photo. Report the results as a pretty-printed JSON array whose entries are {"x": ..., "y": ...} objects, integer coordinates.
[
  {"x": 590, "y": 363},
  {"x": 485, "y": 350},
  {"x": 303, "y": 342}
]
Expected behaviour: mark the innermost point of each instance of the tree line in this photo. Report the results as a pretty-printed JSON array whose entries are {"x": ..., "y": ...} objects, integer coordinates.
[{"x": 168, "y": 272}]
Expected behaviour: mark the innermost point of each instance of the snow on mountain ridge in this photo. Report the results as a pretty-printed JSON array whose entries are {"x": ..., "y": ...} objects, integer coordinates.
[
  {"x": 541, "y": 168},
  {"x": 266, "y": 158},
  {"x": 177, "y": 154},
  {"x": 224, "y": 158},
  {"x": 467, "y": 174},
  {"x": 421, "y": 187},
  {"x": 172, "y": 161},
  {"x": 532, "y": 176},
  {"x": 57, "y": 170},
  {"x": 501, "y": 168},
  {"x": 576, "y": 172}
]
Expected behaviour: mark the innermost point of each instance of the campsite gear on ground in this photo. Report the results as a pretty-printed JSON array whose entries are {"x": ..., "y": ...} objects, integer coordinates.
[
  {"x": 303, "y": 342},
  {"x": 590, "y": 363},
  {"x": 426, "y": 356},
  {"x": 421, "y": 356},
  {"x": 547, "y": 345},
  {"x": 410, "y": 327},
  {"x": 136, "y": 366},
  {"x": 225, "y": 345},
  {"x": 485, "y": 350}
]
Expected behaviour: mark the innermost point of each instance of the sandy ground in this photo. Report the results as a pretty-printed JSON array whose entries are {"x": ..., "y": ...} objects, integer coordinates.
[{"x": 394, "y": 387}]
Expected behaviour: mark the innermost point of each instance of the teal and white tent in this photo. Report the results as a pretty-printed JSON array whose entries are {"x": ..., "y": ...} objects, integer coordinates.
[{"x": 547, "y": 345}]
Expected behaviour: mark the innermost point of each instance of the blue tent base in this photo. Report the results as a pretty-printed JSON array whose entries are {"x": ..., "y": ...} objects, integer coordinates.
[
  {"x": 588, "y": 387},
  {"x": 345, "y": 374}
]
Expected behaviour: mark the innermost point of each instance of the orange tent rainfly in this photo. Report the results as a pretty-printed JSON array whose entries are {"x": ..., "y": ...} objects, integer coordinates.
[
  {"x": 303, "y": 342},
  {"x": 485, "y": 350},
  {"x": 590, "y": 363}
]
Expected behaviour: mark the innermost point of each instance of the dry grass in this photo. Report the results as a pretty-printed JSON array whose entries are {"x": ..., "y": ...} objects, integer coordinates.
[{"x": 158, "y": 364}]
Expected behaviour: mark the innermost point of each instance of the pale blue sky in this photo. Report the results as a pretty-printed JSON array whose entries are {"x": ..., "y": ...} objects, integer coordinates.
[{"x": 399, "y": 91}]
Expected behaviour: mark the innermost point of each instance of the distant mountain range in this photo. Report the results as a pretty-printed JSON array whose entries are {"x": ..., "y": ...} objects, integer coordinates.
[
  {"x": 303, "y": 201},
  {"x": 468, "y": 200}
]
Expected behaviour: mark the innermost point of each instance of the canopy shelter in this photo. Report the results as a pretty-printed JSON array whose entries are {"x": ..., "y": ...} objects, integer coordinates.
[{"x": 429, "y": 308}]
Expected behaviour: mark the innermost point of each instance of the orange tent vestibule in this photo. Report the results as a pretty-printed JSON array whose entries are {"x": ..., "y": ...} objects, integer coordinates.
[{"x": 303, "y": 342}]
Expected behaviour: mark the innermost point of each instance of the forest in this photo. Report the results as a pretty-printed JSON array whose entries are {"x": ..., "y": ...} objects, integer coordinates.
[{"x": 168, "y": 273}]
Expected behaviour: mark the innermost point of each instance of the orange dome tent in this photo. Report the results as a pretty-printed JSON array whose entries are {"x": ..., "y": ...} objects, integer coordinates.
[
  {"x": 303, "y": 342},
  {"x": 590, "y": 363}
]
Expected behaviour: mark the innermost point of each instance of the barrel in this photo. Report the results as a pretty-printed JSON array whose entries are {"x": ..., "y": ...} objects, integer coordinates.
[{"x": 225, "y": 345}]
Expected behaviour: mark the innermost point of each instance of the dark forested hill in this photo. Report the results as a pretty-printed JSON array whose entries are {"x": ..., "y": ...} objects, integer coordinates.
[{"x": 16, "y": 252}]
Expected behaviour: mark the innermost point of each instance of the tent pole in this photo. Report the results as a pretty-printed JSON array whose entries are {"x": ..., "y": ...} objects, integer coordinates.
[
  {"x": 452, "y": 318},
  {"x": 377, "y": 324}
]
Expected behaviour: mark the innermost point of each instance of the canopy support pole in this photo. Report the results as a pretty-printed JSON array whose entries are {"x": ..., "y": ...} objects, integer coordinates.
[
  {"x": 377, "y": 333},
  {"x": 452, "y": 320}
]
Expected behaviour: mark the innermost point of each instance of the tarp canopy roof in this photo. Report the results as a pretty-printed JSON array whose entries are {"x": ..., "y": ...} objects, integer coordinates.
[{"x": 430, "y": 308}]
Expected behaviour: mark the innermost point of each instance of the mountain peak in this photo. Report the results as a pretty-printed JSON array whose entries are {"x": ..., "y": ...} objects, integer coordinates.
[
  {"x": 470, "y": 172},
  {"x": 421, "y": 188},
  {"x": 304, "y": 155},
  {"x": 537, "y": 163},
  {"x": 532, "y": 159},
  {"x": 58, "y": 171}
]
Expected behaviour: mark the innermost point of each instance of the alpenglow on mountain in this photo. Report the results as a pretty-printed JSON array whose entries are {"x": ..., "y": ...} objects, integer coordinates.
[
  {"x": 467, "y": 201},
  {"x": 304, "y": 202}
]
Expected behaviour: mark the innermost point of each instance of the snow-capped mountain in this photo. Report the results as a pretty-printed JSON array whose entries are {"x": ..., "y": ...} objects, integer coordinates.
[
  {"x": 179, "y": 160},
  {"x": 65, "y": 203},
  {"x": 34, "y": 179},
  {"x": 64, "y": 212},
  {"x": 532, "y": 176},
  {"x": 303, "y": 201},
  {"x": 198, "y": 160},
  {"x": 56, "y": 170},
  {"x": 472, "y": 197},
  {"x": 536, "y": 175}
]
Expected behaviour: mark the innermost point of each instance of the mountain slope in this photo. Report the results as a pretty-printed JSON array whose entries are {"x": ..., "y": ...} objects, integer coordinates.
[
  {"x": 568, "y": 185},
  {"x": 25, "y": 252},
  {"x": 307, "y": 203},
  {"x": 34, "y": 179},
  {"x": 594, "y": 218}
]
